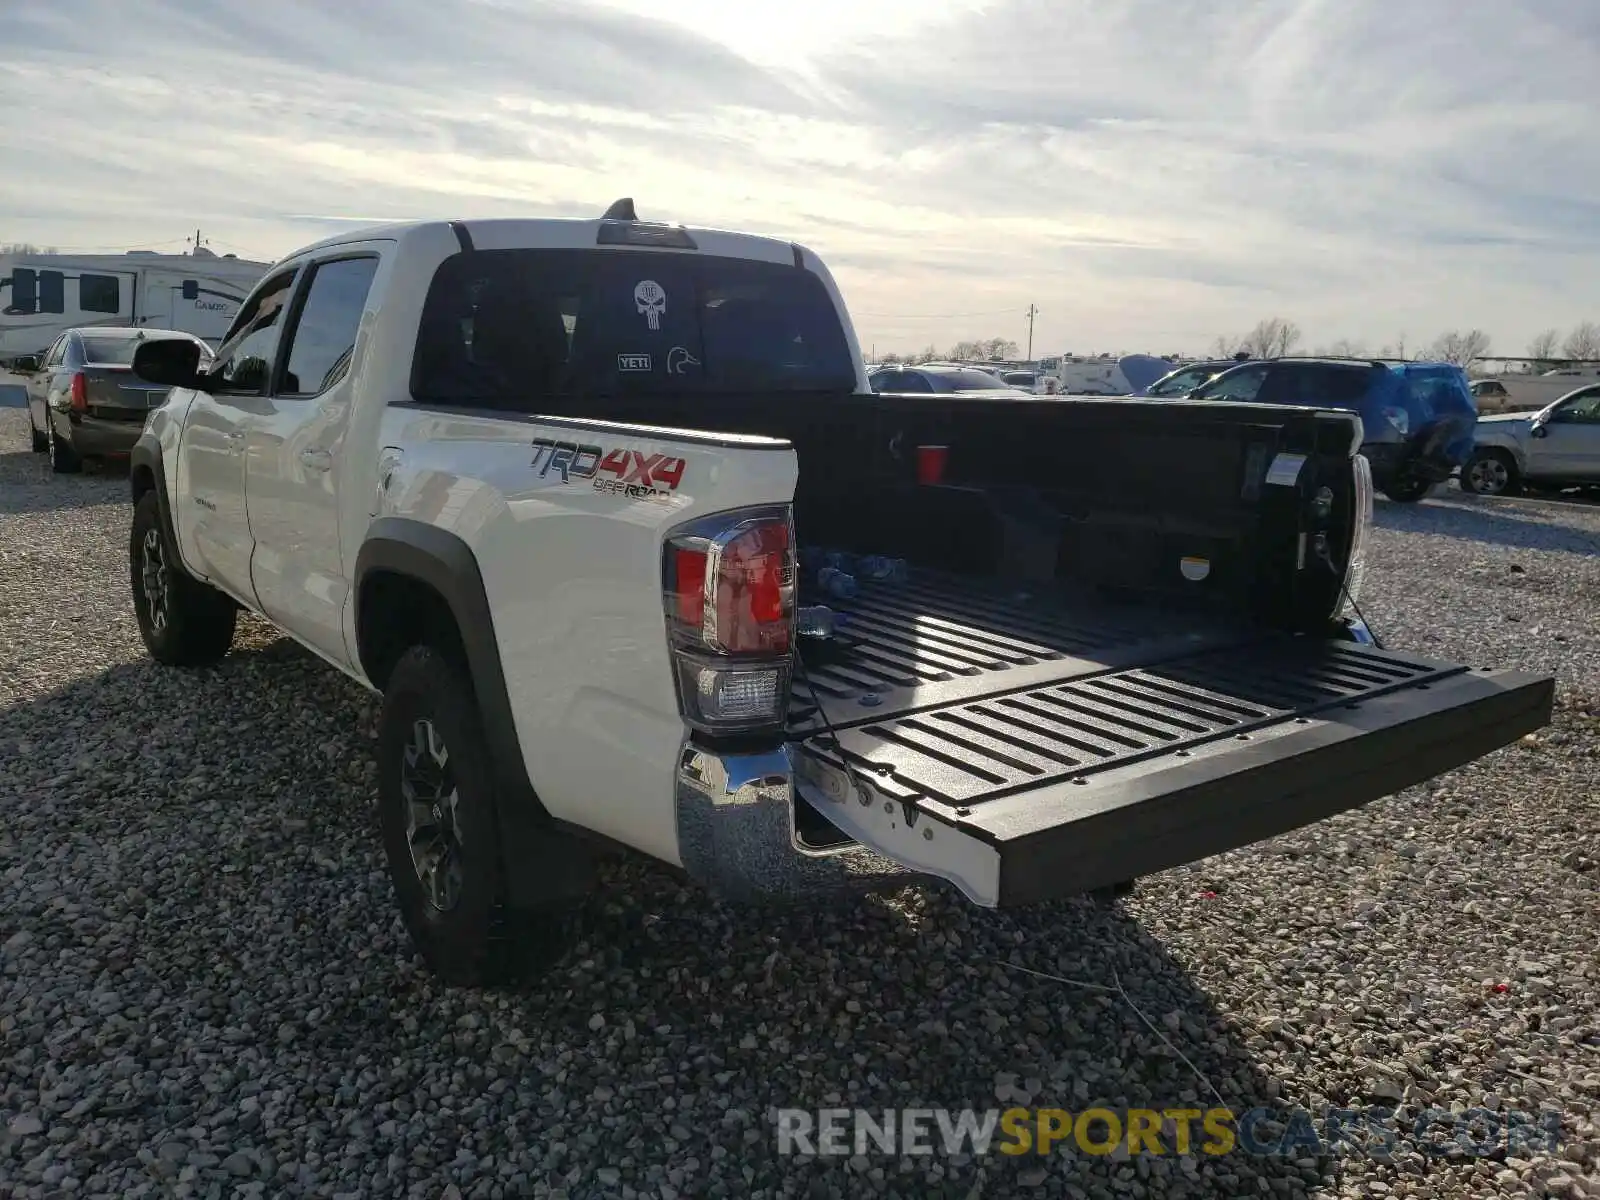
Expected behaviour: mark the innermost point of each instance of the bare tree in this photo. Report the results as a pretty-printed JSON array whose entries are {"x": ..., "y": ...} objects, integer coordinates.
[
  {"x": 1459, "y": 348},
  {"x": 1583, "y": 341},
  {"x": 1544, "y": 344},
  {"x": 1345, "y": 348},
  {"x": 929, "y": 353},
  {"x": 1271, "y": 338},
  {"x": 25, "y": 248},
  {"x": 984, "y": 348}
]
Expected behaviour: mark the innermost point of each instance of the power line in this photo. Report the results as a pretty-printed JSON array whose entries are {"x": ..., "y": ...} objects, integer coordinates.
[{"x": 994, "y": 312}]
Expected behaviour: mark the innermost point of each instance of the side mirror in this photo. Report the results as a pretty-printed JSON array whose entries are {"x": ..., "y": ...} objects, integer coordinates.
[
  {"x": 25, "y": 364},
  {"x": 1539, "y": 430},
  {"x": 191, "y": 289},
  {"x": 174, "y": 362}
]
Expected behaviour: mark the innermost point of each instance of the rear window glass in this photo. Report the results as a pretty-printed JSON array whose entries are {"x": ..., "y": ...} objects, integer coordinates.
[
  {"x": 969, "y": 381},
  {"x": 503, "y": 328},
  {"x": 1318, "y": 385},
  {"x": 110, "y": 350}
]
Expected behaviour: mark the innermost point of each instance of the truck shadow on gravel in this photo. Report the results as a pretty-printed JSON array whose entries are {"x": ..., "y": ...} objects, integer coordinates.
[{"x": 193, "y": 859}]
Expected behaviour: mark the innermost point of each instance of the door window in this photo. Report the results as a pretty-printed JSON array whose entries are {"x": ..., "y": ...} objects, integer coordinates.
[
  {"x": 324, "y": 336},
  {"x": 244, "y": 363},
  {"x": 1242, "y": 384},
  {"x": 1583, "y": 409},
  {"x": 1316, "y": 385},
  {"x": 58, "y": 351}
]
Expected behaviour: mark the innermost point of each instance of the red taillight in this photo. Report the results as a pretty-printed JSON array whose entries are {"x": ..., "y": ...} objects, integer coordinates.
[
  {"x": 748, "y": 604},
  {"x": 729, "y": 584},
  {"x": 754, "y": 591},
  {"x": 688, "y": 594},
  {"x": 80, "y": 393}
]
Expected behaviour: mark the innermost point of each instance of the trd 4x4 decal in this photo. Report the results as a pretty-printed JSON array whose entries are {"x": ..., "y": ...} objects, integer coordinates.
[{"x": 629, "y": 473}]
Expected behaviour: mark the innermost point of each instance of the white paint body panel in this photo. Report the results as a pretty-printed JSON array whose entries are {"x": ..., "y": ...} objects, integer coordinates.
[
  {"x": 573, "y": 578},
  {"x": 572, "y": 573}
]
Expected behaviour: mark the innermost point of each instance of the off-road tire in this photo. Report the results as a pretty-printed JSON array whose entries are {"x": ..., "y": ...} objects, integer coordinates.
[
  {"x": 192, "y": 626},
  {"x": 478, "y": 940}
]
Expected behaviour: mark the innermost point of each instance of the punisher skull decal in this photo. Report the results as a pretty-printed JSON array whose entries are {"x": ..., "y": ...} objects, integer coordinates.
[{"x": 651, "y": 299}]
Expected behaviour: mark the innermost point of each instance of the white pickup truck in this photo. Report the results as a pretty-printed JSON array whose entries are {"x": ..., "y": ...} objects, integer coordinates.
[{"x": 557, "y": 488}]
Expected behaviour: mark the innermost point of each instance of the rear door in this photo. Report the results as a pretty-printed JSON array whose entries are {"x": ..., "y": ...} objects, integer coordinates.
[
  {"x": 296, "y": 567},
  {"x": 38, "y": 384}
]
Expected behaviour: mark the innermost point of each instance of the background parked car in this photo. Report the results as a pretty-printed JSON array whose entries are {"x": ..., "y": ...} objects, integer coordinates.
[
  {"x": 84, "y": 400},
  {"x": 929, "y": 377},
  {"x": 1174, "y": 385},
  {"x": 1417, "y": 418},
  {"x": 1026, "y": 380},
  {"x": 1558, "y": 446}
]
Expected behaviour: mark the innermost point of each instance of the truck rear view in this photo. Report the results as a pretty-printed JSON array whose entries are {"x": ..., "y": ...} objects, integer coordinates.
[
  {"x": 1121, "y": 639},
  {"x": 567, "y": 486}
]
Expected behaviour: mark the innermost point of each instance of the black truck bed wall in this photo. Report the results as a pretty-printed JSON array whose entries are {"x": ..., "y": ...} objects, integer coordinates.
[{"x": 1100, "y": 495}]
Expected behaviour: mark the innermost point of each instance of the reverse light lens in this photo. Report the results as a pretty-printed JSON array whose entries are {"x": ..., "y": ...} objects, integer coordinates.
[{"x": 740, "y": 696}]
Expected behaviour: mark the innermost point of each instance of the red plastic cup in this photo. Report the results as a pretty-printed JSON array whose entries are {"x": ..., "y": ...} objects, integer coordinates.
[{"x": 931, "y": 462}]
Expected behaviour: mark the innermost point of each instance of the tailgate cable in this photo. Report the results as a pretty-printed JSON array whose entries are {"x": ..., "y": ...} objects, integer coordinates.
[
  {"x": 859, "y": 787},
  {"x": 1342, "y": 576}
]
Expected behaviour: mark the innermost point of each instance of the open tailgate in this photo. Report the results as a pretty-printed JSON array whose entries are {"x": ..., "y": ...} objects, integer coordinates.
[{"x": 1038, "y": 791}]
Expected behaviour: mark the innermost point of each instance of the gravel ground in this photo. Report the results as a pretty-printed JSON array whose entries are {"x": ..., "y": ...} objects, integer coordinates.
[{"x": 204, "y": 989}]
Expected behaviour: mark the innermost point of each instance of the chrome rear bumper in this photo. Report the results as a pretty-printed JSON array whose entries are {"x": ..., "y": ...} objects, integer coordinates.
[{"x": 738, "y": 833}]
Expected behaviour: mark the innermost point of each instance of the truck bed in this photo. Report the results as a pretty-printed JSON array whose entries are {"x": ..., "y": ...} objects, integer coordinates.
[{"x": 1033, "y": 723}]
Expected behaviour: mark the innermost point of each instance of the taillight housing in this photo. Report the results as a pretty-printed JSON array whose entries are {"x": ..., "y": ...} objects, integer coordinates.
[
  {"x": 728, "y": 590},
  {"x": 80, "y": 393},
  {"x": 1355, "y": 571}
]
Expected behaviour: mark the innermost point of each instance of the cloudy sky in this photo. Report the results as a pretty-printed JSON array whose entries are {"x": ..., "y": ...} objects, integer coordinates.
[{"x": 1150, "y": 173}]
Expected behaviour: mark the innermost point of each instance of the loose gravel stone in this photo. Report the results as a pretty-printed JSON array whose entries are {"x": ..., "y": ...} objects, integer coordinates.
[{"x": 205, "y": 990}]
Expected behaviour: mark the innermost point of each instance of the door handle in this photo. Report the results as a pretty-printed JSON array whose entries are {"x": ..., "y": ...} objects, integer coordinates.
[{"x": 317, "y": 460}]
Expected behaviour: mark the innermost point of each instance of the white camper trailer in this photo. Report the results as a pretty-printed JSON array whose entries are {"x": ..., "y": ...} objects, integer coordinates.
[{"x": 43, "y": 295}]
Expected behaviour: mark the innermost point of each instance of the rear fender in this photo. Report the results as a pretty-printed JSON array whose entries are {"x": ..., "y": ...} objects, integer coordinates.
[{"x": 542, "y": 859}]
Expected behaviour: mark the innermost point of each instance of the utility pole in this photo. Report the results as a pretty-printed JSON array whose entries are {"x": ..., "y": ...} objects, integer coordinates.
[
  {"x": 1033, "y": 311},
  {"x": 196, "y": 241}
]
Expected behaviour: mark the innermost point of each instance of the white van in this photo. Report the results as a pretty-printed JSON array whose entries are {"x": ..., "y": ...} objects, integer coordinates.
[{"x": 44, "y": 295}]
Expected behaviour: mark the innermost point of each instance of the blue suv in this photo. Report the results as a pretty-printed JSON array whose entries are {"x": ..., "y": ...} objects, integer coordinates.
[{"x": 1417, "y": 418}]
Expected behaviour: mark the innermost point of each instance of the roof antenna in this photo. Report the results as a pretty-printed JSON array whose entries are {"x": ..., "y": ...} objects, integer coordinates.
[{"x": 622, "y": 210}]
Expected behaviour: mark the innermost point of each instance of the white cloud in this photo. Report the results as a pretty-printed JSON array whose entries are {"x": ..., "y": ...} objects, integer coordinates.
[{"x": 1149, "y": 173}]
